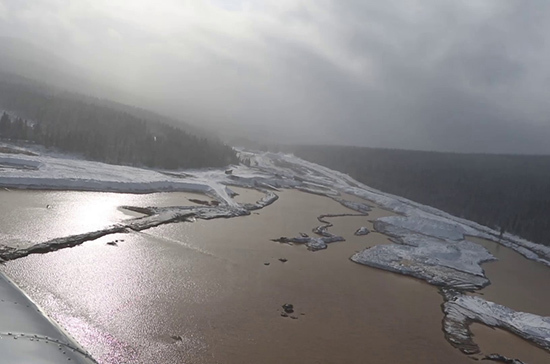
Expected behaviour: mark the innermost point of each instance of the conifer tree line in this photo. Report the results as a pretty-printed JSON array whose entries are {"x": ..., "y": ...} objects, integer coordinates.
[
  {"x": 506, "y": 192},
  {"x": 96, "y": 132}
]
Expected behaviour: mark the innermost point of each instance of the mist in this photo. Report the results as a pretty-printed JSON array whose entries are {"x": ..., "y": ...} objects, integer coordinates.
[{"x": 467, "y": 76}]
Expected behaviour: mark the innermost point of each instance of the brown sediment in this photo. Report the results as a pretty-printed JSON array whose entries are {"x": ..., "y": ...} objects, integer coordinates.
[
  {"x": 516, "y": 282},
  {"x": 504, "y": 343},
  {"x": 206, "y": 283}
]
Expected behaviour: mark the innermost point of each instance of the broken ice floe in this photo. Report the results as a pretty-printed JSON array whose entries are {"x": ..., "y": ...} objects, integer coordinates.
[
  {"x": 432, "y": 251},
  {"x": 325, "y": 237},
  {"x": 461, "y": 310},
  {"x": 362, "y": 231},
  {"x": 502, "y": 359},
  {"x": 441, "y": 263}
]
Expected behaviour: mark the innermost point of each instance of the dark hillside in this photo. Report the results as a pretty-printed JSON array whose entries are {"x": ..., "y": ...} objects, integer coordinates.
[
  {"x": 500, "y": 191},
  {"x": 98, "y": 132}
]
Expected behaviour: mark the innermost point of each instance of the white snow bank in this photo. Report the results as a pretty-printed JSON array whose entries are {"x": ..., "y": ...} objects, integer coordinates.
[
  {"x": 441, "y": 263},
  {"x": 460, "y": 310}
]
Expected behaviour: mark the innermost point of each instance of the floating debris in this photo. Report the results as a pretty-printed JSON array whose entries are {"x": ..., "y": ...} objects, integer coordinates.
[
  {"x": 288, "y": 307},
  {"x": 362, "y": 231}
]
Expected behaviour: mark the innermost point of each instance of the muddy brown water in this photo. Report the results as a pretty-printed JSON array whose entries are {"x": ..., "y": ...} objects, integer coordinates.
[
  {"x": 202, "y": 293},
  {"x": 38, "y": 216},
  {"x": 492, "y": 340},
  {"x": 522, "y": 285},
  {"x": 516, "y": 282}
]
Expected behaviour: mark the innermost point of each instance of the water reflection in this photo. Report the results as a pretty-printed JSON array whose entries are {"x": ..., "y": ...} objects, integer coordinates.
[{"x": 30, "y": 217}]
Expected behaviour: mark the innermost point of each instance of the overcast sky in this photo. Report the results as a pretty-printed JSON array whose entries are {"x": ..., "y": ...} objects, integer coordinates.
[{"x": 467, "y": 75}]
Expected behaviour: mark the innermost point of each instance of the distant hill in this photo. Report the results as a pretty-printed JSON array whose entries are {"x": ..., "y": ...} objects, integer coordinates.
[
  {"x": 38, "y": 65},
  {"x": 509, "y": 192},
  {"x": 102, "y": 130}
]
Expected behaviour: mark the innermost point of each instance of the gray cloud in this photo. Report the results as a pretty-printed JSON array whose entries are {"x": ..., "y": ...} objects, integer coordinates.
[{"x": 433, "y": 74}]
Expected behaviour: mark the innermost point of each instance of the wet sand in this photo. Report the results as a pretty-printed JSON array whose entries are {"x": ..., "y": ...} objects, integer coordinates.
[{"x": 201, "y": 293}]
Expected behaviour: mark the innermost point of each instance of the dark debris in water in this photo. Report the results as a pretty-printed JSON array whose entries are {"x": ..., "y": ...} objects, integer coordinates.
[
  {"x": 288, "y": 307},
  {"x": 176, "y": 338}
]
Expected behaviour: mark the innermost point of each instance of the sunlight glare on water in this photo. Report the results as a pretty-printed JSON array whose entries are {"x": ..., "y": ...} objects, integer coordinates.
[{"x": 30, "y": 217}]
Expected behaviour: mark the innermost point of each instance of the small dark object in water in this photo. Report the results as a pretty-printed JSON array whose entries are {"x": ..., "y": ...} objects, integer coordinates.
[
  {"x": 288, "y": 307},
  {"x": 284, "y": 260},
  {"x": 282, "y": 239},
  {"x": 176, "y": 338},
  {"x": 304, "y": 235},
  {"x": 199, "y": 202},
  {"x": 283, "y": 314},
  {"x": 294, "y": 317},
  {"x": 266, "y": 263}
]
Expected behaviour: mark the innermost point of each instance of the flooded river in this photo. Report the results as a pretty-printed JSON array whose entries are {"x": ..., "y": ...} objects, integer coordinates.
[{"x": 211, "y": 291}]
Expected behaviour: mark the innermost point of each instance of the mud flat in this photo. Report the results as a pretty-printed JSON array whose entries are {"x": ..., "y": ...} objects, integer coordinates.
[{"x": 212, "y": 291}]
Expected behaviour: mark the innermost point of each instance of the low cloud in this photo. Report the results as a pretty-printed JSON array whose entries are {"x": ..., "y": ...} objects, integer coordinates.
[{"x": 433, "y": 74}]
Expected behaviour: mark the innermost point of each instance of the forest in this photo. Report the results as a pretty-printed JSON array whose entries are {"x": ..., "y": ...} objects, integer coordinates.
[
  {"x": 508, "y": 192},
  {"x": 71, "y": 123}
]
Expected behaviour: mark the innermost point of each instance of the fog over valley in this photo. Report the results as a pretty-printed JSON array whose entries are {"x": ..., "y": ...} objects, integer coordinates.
[{"x": 441, "y": 75}]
